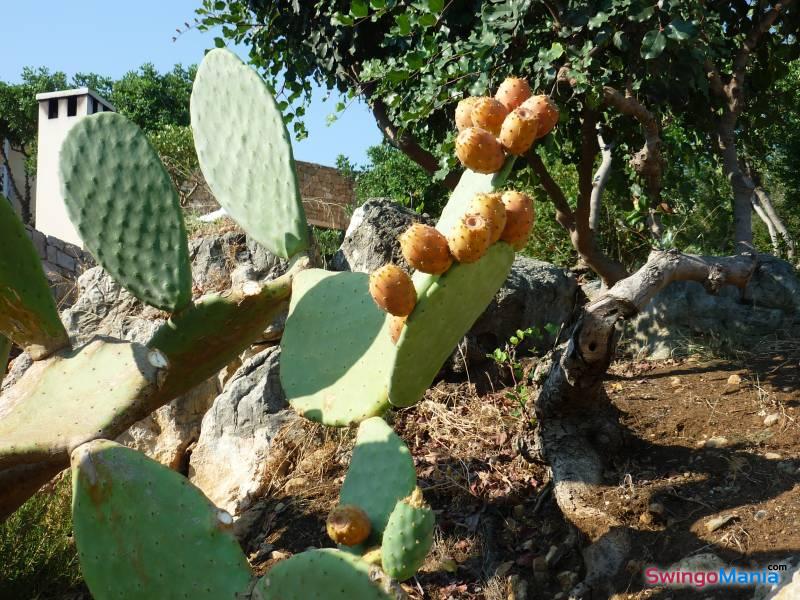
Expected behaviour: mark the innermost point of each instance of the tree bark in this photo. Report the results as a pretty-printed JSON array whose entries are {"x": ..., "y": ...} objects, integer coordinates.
[
  {"x": 577, "y": 427},
  {"x": 408, "y": 145},
  {"x": 780, "y": 228},
  {"x": 773, "y": 233},
  {"x": 599, "y": 182}
]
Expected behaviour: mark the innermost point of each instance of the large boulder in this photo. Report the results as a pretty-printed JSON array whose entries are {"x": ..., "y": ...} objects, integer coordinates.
[
  {"x": 230, "y": 461},
  {"x": 371, "y": 238},
  {"x": 770, "y": 305}
]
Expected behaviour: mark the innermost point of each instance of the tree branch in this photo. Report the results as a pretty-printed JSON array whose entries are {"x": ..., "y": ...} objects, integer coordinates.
[
  {"x": 408, "y": 145},
  {"x": 600, "y": 180},
  {"x": 752, "y": 40},
  {"x": 564, "y": 214}
]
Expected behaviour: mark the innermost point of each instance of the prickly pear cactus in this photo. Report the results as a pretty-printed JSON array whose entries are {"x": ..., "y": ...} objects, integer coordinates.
[
  {"x": 335, "y": 357},
  {"x": 381, "y": 473},
  {"x": 78, "y": 395},
  {"x": 408, "y": 537},
  {"x": 325, "y": 574},
  {"x": 127, "y": 212},
  {"x": 28, "y": 314},
  {"x": 144, "y": 532},
  {"x": 246, "y": 154}
]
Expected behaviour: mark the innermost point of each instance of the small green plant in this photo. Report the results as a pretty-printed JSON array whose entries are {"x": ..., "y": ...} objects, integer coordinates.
[{"x": 507, "y": 358}]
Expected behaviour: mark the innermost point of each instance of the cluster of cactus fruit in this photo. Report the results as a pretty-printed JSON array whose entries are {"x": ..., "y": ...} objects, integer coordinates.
[
  {"x": 490, "y": 128},
  {"x": 142, "y": 530}
]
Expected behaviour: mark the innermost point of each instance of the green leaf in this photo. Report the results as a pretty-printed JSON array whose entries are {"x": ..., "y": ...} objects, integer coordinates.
[
  {"x": 653, "y": 44},
  {"x": 597, "y": 21},
  {"x": 435, "y": 6},
  {"x": 341, "y": 19},
  {"x": 219, "y": 42},
  {"x": 377, "y": 4},
  {"x": 620, "y": 43},
  {"x": 680, "y": 30},
  {"x": 427, "y": 20},
  {"x": 359, "y": 8},
  {"x": 642, "y": 15},
  {"x": 403, "y": 23}
]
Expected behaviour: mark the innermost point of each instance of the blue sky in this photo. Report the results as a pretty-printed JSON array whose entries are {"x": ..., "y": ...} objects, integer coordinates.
[{"x": 112, "y": 37}]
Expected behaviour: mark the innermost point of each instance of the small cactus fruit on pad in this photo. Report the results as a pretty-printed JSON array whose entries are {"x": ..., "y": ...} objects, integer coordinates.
[
  {"x": 336, "y": 349},
  {"x": 513, "y": 92},
  {"x": 325, "y": 574},
  {"x": 425, "y": 249},
  {"x": 347, "y": 524},
  {"x": 245, "y": 153},
  {"x": 469, "y": 185},
  {"x": 122, "y": 201},
  {"x": 519, "y": 131},
  {"x": 488, "y": 114},
  {"x": 464, "y": 113},
  {"x": 546, "y": 113},
  {"x": 392, "y": 290},
  {"x": 491, "y": 208},
  {"x": 28, "y": 314},
  {"x": 381, "y": 473},
  {"x": 448, "y": 306},
  {"x": 408, "y": 537},
  {"x": 144, "y": 532},
  {"x": 470, "y": 238},
  {"x": 75, "y": 396},
  {"x": 479, "y": 150},
  {"x": 519, "y": 218}
]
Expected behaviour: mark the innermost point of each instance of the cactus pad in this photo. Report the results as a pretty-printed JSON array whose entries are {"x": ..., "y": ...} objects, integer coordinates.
[
  {"x": 320, "y": 574},
  {"x": 122, "y": 201},
  {"x": 469, "y": 185},
  {"x": 336, "y": 349},
  {"x": 245, "y": 153},
  {"x": 143, "y": 531},
  {"x": 73, "y": 397},
  {"x": 381, "y": 473},
  {"x": 448, "y": 305},
  {"x": 28, "y": 312},
  {"x": 408, "y": 537}
]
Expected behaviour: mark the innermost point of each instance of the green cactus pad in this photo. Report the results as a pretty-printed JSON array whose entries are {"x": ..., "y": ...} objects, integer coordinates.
[
  {"x": 73, "y": 397},
  {"x": 320, "y": 574},
  {"x": 381, "y": 473},
  {"x": 336, "y": 350},
  {"x": 245, "y": 153},
  {"x": 28, "y": 312},
  {"x": 216, "y": 329},
  {"x": 408, "y": 538},
  {"x": 447, "y": 306},
  {"x": 469, "y": 185},
  {"x": 143, "y": 531},
  {"x": 127, "y": 212}
]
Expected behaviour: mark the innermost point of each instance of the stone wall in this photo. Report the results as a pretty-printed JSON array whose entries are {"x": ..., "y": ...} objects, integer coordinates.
[
  {"x": 62, "y": 261},
  {"x": 327, "y": 196}
]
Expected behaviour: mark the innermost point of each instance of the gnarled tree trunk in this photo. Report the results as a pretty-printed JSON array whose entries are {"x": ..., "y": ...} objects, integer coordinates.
[{"x": 577, "y": 426}]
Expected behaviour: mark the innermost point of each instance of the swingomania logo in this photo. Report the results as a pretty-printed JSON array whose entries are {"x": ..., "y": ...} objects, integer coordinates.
[{"x": 724, "y": 576}]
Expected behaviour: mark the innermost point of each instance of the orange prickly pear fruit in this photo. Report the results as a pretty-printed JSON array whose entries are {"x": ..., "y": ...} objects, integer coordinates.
[
  {"x": 479, "y": 150},
  {"x": 513, "y": 92},
  {"x": 519, "y": 131},
  {"x": 546, "y": 113},
  {"x": 488, "y": 114},
  {"x": 348, "y": 524},
  {"x": 393, "y": 291},
  {"x": 425, "y": 249},
  {"x": 491, "y": 208},
  {"x": 469, "y": 238},
  {"x": 464, "y": 113},
  {"x": 396, "y": 325},
  {"x": 520, "y": 216}
]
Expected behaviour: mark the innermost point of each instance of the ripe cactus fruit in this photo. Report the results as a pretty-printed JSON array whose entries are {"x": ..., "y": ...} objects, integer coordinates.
[
  {"x": 408, "y": 537},
  {"x": 519, "y": 131},
  {"x": 464, "y": 113},
  {"x": 393, "y": 291},
  {"x": 348, "y": 524},
  {"x": 513, "y": 92},
  {"x": 490, "y": 206},
  {"x": 545, "y": 111},
  {"x": 519, "y": 218},
  {"x": 479, "y": 150},
  {"x": 396, "y": 325},
  {"x": 469, "y": 239},
  {"x": 142, "y": 531},
  {"x": 488, "y": 113},
  {"x": 425, "y": 249}
]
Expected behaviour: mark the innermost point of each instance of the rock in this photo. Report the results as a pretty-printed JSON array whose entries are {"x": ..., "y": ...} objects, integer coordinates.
[
  {"x": 567, "y": 580},
  {"x": 228, "y": 463},
  {"x": 371, "y": 238},
  {"x": 772, "y": 419},
  {"x": 772, "y": 456},
  {"x": 699, "y": 562},
  {"x": 516, "y": 588},
  {"x": 716, "y": 442},
  {"x": 675, "y": 381},
  {"x": 657, "y": 509},
  {"x": 717, "y": 522},
  {"x": 770, "y": 304},
  {"x": 760, "y": 515},
  {"x": 295, "y": 485},
  {"x": 734, "y": 379},
  {"x": 788, "y": 589}
]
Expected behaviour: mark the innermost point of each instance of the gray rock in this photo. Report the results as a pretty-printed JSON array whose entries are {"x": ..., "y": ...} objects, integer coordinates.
[
  {"x": 228, "y": 462},
  {"x": 371, "y": 237}
]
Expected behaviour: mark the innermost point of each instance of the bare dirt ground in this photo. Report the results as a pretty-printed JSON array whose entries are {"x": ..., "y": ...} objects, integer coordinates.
[{"x": 711, "y": 466}]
